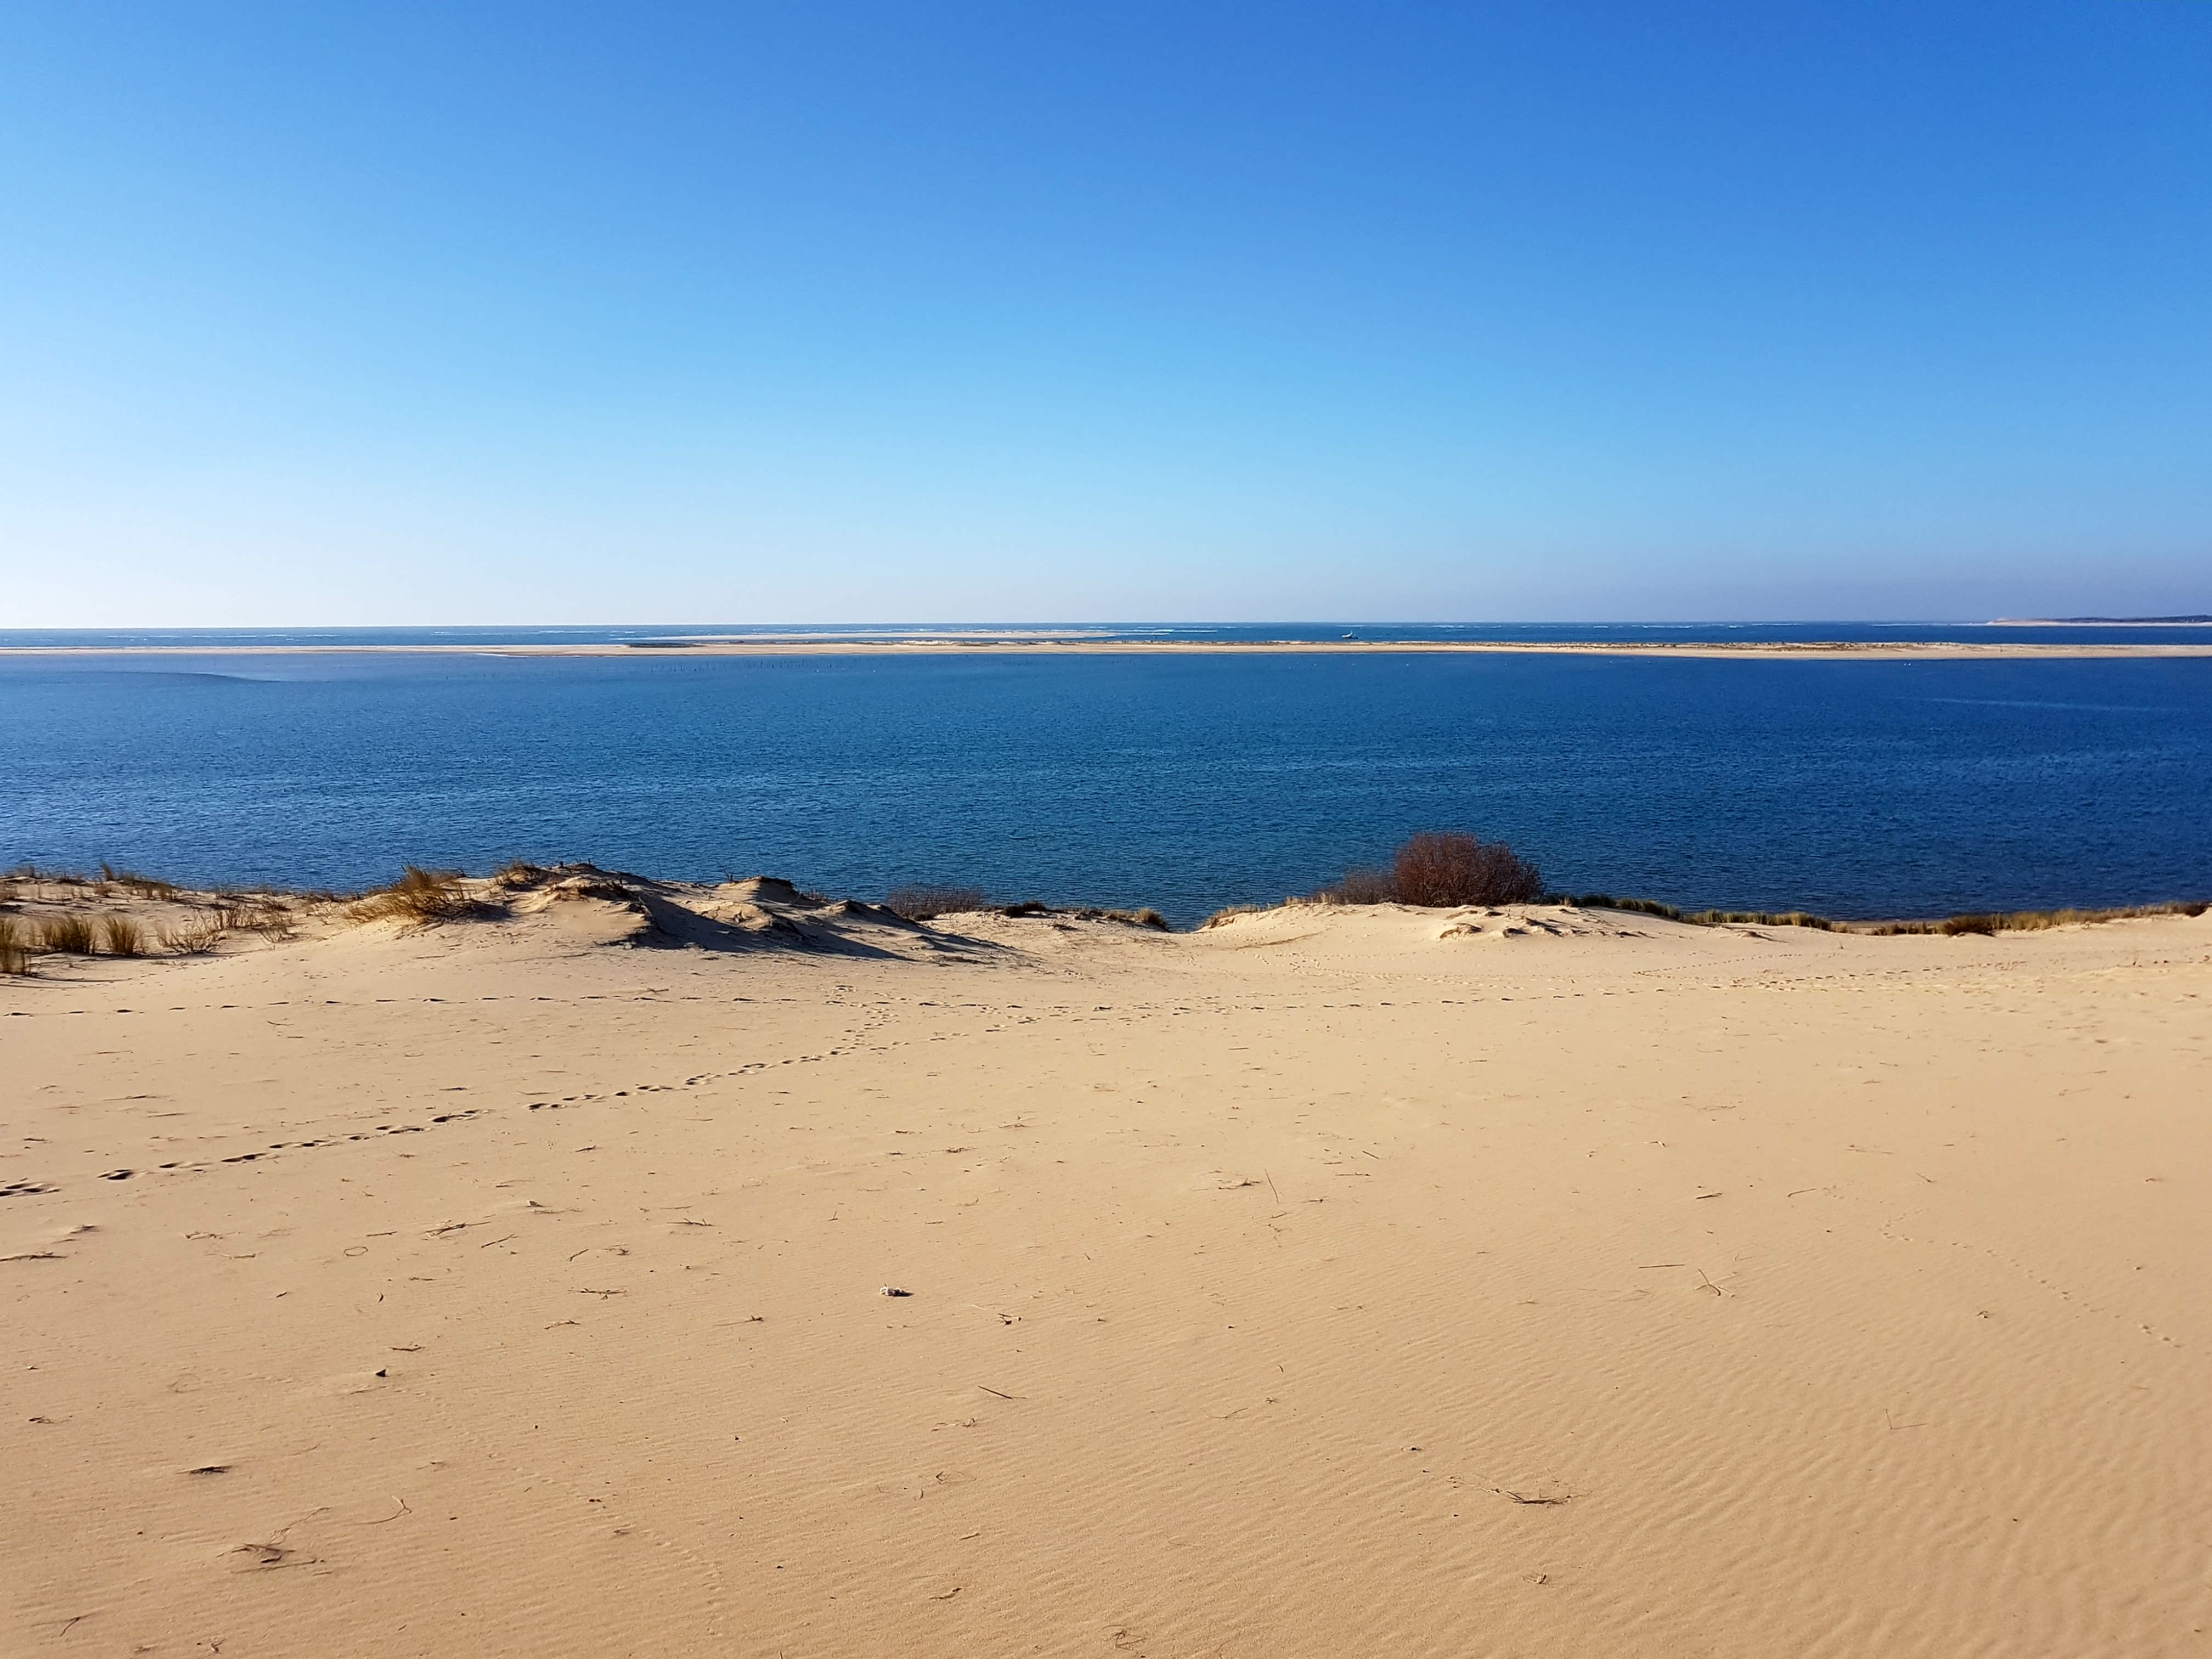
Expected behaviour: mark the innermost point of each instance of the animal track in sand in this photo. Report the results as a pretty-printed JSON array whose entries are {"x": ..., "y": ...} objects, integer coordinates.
[
  {"x": 2036, "y": 1278},
  {"x": 855, "y": 1042}
]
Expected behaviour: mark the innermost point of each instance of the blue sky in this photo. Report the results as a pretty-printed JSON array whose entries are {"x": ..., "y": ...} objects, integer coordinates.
[{"x": 323, "y": 314}]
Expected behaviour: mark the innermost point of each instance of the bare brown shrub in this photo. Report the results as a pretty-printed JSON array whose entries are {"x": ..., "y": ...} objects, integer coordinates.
[
  {"x": 1438, "y": 869},
  {"x": 922, "y": 902}
]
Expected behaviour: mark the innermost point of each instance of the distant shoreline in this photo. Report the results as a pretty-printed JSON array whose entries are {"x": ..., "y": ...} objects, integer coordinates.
[
  {"x": 1852, "y": 650},
  {"x": 2100, "y": 621}
]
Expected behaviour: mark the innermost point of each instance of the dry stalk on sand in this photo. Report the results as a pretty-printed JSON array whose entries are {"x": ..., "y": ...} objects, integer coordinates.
[
  {"x": 269, "y": 917},
  {"x": 193, "y": 938}
]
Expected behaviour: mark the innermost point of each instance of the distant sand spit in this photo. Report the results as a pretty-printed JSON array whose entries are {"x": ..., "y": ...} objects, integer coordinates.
[
  {"x": 1863, "y": 651},
  {"x": 1324, "y": 1282}
]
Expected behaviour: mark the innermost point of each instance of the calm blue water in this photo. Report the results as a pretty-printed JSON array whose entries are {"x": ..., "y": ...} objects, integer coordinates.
[
  {"x": 1857, "y": 788},
  {"x": 1985, "y": 633}
]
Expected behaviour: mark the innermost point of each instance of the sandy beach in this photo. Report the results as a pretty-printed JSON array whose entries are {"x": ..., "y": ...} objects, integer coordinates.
[{"x": 1324, "y": 1282}]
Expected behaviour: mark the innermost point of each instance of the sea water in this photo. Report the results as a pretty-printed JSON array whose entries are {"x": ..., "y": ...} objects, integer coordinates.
[{"x": 1185, "y": 782}]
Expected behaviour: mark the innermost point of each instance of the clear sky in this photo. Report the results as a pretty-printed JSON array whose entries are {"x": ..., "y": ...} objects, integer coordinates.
[{"x": 663, "y": 312}]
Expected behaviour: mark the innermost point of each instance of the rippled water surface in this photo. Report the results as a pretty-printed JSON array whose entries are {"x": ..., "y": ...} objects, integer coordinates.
[{"x": 1857, "y": 788}]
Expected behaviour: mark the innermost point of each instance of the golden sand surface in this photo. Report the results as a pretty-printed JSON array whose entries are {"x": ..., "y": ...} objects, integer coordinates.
[{"x": 1324, "y": 1282}]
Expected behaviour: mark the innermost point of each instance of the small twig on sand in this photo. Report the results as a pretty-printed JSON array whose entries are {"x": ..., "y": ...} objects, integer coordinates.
[
  {"x": 1271, "y": 1186},
  {"x": 989, "y": 1389}
]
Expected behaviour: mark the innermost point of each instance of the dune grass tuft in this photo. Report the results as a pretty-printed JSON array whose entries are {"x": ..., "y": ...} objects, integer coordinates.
[
  {"x": 421, "y": 897},
  {"x": 122, "y": 936},
  {"x": 2036, "y": 921},
  {"x": 1977, "y": 924},
  {"x": 65, "y": 935},
  {"x": 15, "y": 947},
  {"x": 1764, "y": 919},
  {"x": 138, "y": 886}
]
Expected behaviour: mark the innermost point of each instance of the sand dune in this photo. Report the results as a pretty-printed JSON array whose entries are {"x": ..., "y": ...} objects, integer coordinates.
[{"x": 1325, "y": 1282}]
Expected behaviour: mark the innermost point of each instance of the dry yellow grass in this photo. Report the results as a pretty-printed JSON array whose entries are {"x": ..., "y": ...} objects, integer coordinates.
[
  {"x": 420, "y": 897},
  {"x": 66, "y": 935},
  {"x": 122, "y": 936}
]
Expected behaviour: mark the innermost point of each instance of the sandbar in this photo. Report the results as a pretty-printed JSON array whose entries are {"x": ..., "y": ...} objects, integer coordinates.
[{"x": 1841, "y": 650}]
